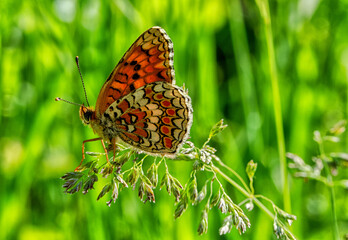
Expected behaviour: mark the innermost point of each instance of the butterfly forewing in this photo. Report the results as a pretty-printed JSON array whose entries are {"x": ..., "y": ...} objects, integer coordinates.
[
  {"x": 155, "y": 118},
  {"x": 148, "y": 60}
]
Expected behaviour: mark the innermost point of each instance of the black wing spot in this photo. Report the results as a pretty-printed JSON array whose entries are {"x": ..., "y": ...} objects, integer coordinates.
[
  {"x": 137, "y": 67},
  {"x": 126, "y": 63},
  {"x": 135, "y": 76},
  {"x": 133, "y": 62},
  {"x": 146, "y": 52},
  {"x": 106, "y": 115},
  {"x": 132, "y": 87},
  {"x": 160, "y": 75}
]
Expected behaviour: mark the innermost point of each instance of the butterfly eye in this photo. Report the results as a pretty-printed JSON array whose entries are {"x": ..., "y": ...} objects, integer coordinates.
[{"x": 86, "y": 114}]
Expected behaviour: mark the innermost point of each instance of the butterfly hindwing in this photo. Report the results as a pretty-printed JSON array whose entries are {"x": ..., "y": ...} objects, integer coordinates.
[{"x": 155, "y": 118}]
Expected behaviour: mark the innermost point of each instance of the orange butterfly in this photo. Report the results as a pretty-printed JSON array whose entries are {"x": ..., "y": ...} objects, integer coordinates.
[{"x": 139, "y": 103}]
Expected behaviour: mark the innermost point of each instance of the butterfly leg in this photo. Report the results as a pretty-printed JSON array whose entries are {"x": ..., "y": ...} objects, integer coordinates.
[
  {"x": 106, "y": 151},
  {"x": 83, "y": 151}
]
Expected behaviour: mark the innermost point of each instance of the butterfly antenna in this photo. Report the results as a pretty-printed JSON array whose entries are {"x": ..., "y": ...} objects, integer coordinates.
[
  {"x": 83, "y": 84},
  {"x": 61, "y": 99}
]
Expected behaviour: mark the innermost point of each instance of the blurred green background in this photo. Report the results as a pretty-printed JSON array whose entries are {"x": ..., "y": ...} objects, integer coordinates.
[{"x": 220, "y": 56}]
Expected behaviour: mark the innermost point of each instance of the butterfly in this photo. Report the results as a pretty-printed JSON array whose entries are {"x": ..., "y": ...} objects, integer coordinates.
[{"x": 139, "y": 104}]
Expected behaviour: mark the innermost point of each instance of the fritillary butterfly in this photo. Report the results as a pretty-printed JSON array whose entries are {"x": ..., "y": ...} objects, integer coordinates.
[{"x": 139, "y": 103}]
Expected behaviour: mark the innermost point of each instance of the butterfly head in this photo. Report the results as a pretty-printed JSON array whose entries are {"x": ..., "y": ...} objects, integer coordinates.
[{"x": 87, "y": 114}]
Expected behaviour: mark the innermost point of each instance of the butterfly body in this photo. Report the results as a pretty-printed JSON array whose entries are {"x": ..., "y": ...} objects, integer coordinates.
[{"x": 139, "y": 103}]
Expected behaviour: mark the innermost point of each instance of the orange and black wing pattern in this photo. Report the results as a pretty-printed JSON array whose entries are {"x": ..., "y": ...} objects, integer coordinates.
[
  {"x": 148, "y": 60},
  {"x": 155, "y": 118}
]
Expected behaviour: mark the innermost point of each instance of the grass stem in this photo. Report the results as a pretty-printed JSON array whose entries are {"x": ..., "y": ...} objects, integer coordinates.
[
  {"x": 264, "y": 10},
  {"x": 243, "y": 191}
]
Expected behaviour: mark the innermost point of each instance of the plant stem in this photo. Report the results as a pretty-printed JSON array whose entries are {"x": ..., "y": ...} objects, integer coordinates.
[
  {"x": 330, "y": 185},
  {"x": 336, "y": 232},
  {"x": 243, "y": 191},
  {"x": 263, "y": 207},
  {"x": 235, "y": 174},
  {"x": 264, "y": 10}
]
